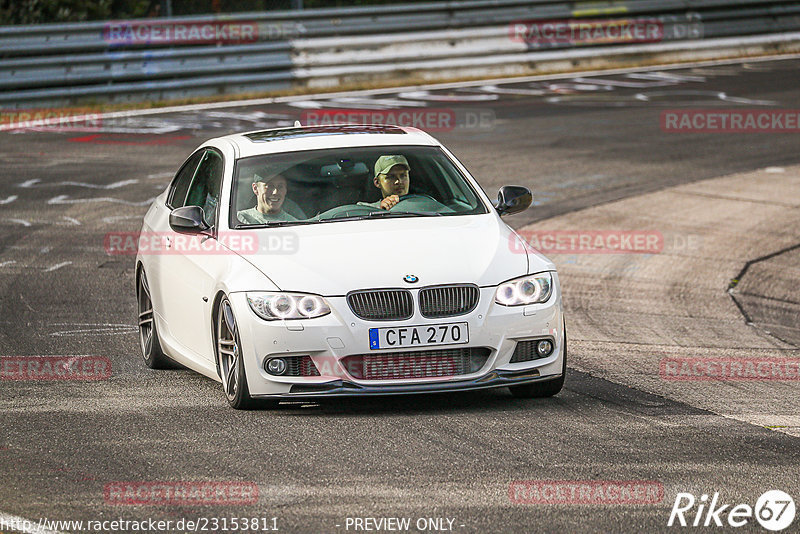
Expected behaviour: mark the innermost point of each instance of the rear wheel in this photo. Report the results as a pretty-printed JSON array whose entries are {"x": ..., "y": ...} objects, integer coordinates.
[
  {"x": 229, "y": 359},
  {"x": 154, "y": 356},
  {"x": 539, "y": 390}
]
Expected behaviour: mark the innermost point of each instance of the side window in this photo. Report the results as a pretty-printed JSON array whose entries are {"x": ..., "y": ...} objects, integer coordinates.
[
  {"x": 205, "y": 188},
  {"x": 180, "y": 185}
]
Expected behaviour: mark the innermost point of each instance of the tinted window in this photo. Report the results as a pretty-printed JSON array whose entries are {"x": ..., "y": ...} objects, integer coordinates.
[
  {"x": 204, "y": 191},
  {"x": 180, "y": 185}
]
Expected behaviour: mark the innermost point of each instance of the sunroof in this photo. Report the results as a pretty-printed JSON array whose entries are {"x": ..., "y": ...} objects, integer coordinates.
[{"x": 311, "y": 131}]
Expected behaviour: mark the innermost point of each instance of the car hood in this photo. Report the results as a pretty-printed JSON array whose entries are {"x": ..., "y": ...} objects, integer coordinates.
[{"x": 333, "y": 259}]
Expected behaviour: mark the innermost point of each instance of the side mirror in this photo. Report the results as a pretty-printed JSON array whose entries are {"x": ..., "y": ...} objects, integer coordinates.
[
  {"x": 513, "y": 199},
  {"x": 188, "y": 220}
]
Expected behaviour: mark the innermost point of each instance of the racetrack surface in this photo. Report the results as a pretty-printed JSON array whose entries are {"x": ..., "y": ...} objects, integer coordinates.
[{"x": 596, "y": 157}]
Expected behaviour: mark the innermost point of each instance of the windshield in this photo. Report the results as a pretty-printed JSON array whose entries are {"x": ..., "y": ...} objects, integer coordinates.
[{"x": 317, "y": 186}]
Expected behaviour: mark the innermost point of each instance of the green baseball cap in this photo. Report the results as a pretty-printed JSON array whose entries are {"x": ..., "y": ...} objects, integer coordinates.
[
  {"x": 257, "y": 178},
  {"x": 385, "y": 163}
]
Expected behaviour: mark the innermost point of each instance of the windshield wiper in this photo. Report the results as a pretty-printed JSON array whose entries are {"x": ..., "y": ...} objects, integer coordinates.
[
  {"x": 384, "y": 215},
  {"x": 272, "y": 224}
]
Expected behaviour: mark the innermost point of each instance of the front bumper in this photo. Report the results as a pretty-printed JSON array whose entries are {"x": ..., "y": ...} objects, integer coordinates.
[
  {"x": 346, "y": 388},
  {"x": 326, "y": 340}
]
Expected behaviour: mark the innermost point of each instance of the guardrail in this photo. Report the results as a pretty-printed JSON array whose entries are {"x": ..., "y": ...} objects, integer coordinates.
[{"x": 256, "y": 52}]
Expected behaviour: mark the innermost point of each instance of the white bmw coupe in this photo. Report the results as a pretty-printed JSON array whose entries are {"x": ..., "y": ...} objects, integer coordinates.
[{"x": 343, "y": 261}]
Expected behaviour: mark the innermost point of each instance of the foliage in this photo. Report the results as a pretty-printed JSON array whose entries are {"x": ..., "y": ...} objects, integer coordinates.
[{"x": 45, "y": 11}]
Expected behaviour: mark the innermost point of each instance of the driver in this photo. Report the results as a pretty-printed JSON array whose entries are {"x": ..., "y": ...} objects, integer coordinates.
[
  {"x": 270, "y": 194},
  {"x": 391, "y": 177}
]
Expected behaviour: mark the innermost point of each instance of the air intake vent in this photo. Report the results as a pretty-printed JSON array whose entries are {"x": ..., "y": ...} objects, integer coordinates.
[
  {"x": 526, "y": 351},
  {"x": 382, "y": 304},
  {"x": 417, "y": 364},
  {"x": 300, "y": 366},
  {"x": 448, "y": 301}
]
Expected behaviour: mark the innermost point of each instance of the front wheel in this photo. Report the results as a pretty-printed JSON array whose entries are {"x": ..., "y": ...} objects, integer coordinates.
[
  {"x": 154, "y": 356},
  {"x": 229, "y": 359},
  {"x": 540, "y": 390}
]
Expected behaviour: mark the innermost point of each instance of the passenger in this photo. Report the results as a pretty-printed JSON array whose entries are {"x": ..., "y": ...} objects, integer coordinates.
[
  {"x": 392, "y": 178},
  {"x": 270, "y": 194}
]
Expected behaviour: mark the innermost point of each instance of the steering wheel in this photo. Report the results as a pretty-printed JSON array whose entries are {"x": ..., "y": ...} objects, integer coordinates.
[
  {"x": 415, "y": 195},
  {"x": 423, "y": 202},
  {"x": 350, "y": 210}
]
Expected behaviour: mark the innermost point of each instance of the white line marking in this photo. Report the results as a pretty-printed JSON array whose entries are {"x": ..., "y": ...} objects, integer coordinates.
[
  {"x": 19, "y": 524},
  {"x": 64, "y": 199},
  {"x": 512, "y": 91},
  {"x": 248, "y": 116},
  {"x": 665, "y": 76},
  {"x": 426, "y": 95},
  {"x": 67, "y": 221},
  {"x": 159, "y": 175},
  {"x": 36, "y": 182},
  {"x": 148, "y": 130},
  {"x": 454, "y": 85},
  {"x": 113, "y": 330},
  {"x": 115, "y": 218},
  {"x": 774, "y": 170},
  {"x": 750, "y": 101},
  {"x": 620, "y": 83},
  {"x": 92, "y": 324},
  {"x": 57, "y": 266},
  {"x": 9, "y": 200},
  {"x": 435, "y": 86},
  {"x": 358, "y": 103}
]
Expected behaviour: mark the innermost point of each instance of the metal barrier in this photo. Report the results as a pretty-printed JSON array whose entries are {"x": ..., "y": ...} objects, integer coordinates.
[{"x": 256, "y": 52}]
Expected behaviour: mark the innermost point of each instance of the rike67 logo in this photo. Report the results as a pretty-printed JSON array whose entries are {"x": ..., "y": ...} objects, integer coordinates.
[{"x": 774, "y": 510}]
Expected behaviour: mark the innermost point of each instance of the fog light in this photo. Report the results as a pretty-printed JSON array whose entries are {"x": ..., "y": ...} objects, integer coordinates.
[
  {"x": 276, "y": 366},
  {"x": 544, "y": 348}
]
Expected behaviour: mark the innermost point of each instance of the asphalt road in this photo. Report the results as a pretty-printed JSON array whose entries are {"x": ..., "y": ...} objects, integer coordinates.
[{"x": 575, "y": 143}]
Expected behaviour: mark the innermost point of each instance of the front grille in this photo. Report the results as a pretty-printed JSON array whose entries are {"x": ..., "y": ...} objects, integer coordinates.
[
  {"x": 448, "y": 301},
  {"x": 417, "y": 364},
  {"x": 525, "y": 351},
  {"x": 300, "y": 366},
  {"x": 382, "y": 304}
]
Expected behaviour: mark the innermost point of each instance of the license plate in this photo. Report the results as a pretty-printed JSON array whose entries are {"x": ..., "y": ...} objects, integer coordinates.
[{"x": 418, "y": 336}]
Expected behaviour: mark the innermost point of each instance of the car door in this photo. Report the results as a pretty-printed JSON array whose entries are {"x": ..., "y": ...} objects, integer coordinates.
[
  {"x": 188, "y": 272},
  {"x": 158, "y": 263}
]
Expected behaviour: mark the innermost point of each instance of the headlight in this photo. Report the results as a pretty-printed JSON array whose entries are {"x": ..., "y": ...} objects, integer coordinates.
[
  {"x": 529, "y": 289},
  {"x": 276, "y": 306}
]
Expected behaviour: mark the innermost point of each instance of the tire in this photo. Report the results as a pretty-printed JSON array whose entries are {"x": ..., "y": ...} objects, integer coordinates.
[
  {"x": 229, "y": 359},
  {"x": 539, "y": 390},
  {"x": 154, "y": 356}
]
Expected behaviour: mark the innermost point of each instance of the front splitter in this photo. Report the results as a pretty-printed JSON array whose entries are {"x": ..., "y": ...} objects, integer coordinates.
[{"x": 346, "y": 388}]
